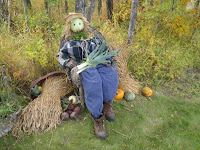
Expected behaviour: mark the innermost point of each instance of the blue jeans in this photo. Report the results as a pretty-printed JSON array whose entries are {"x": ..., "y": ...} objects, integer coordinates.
[{"x": 100, "y": 85}]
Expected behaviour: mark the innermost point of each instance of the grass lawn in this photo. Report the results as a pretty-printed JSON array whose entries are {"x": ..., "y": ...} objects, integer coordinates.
[{"x": 162, "y": 122}]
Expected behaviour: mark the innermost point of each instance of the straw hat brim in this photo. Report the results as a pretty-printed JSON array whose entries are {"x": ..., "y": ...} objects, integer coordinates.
[{"x": 72, "y": 16}]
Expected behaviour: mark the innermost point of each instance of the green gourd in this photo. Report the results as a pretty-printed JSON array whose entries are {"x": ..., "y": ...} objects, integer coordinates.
[
  {"x": 36, "y": 91},
  {"x": 129, "y": 96}
]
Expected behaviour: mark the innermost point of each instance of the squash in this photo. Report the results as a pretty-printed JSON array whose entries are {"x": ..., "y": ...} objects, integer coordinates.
[
  {"x": 119, "y": 94},
  {"x": 36, "y": 91},
  {"x": 129, "y": 96},
  {"x": 146, "y": 91}
]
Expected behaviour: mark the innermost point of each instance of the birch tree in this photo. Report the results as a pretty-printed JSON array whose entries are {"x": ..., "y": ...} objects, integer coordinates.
[
  {"x": 197, "y": 4},
  {"x": 26, "y": 13},
  {"x": 197, "y": 27},
  {"x": 109, "y": 6},
  {"x": 29, "y": 4},
  {"x": 9, "y": 13},
  {"x": 66, "y": 6},
  {"x": 146, "y": 2},
  {"x": 151, "y": 3},
  {"x": 132, "y": 23},
  {"x": 173, "y": 2},
  {"x": 48, "y": 10},
  {"x": 4, "y": 10},
  {"x": 81, "y": 6},
  {"x": 99, "y": 6},
  {"x": 91, "y": 8},
  {"x": 45, "y": 5}
]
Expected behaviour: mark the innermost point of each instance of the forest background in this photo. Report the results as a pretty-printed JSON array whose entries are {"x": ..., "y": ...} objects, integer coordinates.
[{"x": 164, "y": 53}]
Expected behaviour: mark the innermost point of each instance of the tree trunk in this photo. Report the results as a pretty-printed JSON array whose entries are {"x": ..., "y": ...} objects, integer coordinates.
[
  {"x": 26, "y": 13},
  {"x": 172, "y": 5},
  {"x": 66, "y": 7},
  {"x": 9, "y": 13},
  {"x": 146, "y": 2},
  {"x": 99, "y": 6},
  {"x": 4, "y": 10},
  {"x": 81, "y": 6},
  {"x": 151, "y": 3},
  {"x": 195, "y": 31},
  {"x": 46, "y": 5},
  {"x": 109, "y": 6},
  {"x": 133, "y": 18},
  {"x": 58, "y": 4},
  {"x": 48, "y": 10},
  {"x": 29, "y": 4},
  {"x": 91, "y": 8},
  {"x": 197, "y": 4}
]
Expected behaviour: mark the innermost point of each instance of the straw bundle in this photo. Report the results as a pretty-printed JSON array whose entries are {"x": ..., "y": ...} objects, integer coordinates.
[
  {"x": 126, "y": 81},
  {"x": 43, "y": 113}
]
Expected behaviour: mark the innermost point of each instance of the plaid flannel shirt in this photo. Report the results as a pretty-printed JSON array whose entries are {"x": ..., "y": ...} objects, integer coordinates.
[{"x": 75, "y": 50}]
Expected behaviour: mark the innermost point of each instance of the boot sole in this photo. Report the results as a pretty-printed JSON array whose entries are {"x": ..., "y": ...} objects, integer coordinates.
[
  {"x": 102, "y": 137},
  {"x": 110, "y": 119}
]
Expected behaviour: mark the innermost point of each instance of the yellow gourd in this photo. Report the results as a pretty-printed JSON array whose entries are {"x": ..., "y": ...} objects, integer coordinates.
[{"x": 146, "y": 91}]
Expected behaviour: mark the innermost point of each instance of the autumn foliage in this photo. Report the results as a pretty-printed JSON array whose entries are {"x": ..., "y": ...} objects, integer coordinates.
[{"x": 165, "y": 40}]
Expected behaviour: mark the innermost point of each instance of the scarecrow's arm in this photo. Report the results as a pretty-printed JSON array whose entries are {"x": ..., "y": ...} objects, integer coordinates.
[
  {"x": 62, "y": 42},
  {"x": 97, "y": 33},
  {"x": 64, "y": 58}
]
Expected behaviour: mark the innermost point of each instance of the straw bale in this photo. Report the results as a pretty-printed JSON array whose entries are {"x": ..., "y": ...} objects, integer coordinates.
[
  {"x": 43, "y": 113},
  {"x": 126, "y": 80}
]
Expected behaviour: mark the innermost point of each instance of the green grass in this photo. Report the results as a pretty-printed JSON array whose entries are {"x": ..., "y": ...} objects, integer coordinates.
[{"x": 161, "y": 122}]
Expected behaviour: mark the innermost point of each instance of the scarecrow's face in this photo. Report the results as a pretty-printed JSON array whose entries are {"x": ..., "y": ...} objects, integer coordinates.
[{"x": 76, "y": 25}]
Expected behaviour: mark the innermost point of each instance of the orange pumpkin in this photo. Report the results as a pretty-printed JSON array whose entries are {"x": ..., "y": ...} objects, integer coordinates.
[
  {"x": 146, "y": 91},
  {"x": 119, "y": 94}
]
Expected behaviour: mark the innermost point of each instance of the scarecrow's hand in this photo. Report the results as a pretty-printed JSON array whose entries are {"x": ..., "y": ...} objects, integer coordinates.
[
  {"x": 107, "y": 64},
  {"x": 76, "y": 79},
  {"x": 71, "y": 64}
]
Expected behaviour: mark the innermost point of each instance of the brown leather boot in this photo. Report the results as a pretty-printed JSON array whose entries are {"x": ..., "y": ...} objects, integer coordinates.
[
  {"x": 108, "y": 111},
  {"x": 99, "y": 128}
]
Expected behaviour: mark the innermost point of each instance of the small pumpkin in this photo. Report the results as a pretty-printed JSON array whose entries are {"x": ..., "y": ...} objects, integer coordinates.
[
  {"x": 146, "y": 91},
  {"x": 129, "y": 96},
  {"x": 119, "y": 94}
]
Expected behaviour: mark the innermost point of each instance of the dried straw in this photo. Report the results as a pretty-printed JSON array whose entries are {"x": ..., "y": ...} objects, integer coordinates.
[
  {"x": 126, "y": 80},
  {"x": 43, "y": 113}
]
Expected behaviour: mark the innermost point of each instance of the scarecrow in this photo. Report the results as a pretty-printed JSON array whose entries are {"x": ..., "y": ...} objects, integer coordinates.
[{"x": 99, "y": 80}]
